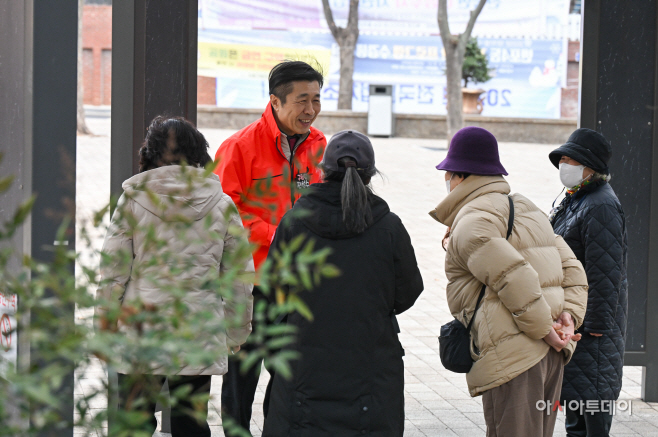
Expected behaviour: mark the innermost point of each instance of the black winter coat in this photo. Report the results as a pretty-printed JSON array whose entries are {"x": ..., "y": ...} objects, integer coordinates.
[
  {"x": 349, "y": 380},
  {"x": 592, "y": 223}
]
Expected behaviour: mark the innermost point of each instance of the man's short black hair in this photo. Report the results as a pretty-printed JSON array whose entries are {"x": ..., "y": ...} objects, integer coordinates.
[{"x": 284, "y": 74}]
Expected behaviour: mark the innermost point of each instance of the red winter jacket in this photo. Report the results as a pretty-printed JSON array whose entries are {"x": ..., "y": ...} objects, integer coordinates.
[{"x": 263, "y": 184}]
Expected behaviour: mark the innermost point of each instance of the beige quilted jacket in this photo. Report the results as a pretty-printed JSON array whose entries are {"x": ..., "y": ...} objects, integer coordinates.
[
  {"x": 531, "y": 278},
  {"x": 192, "y": 215}
]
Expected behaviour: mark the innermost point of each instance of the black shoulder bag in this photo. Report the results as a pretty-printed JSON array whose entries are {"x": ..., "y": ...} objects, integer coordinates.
[{"x": 455, "y": 340}]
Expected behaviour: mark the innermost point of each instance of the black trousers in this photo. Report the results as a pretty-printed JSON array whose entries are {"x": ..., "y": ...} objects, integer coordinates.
[
  {"x": 182, "y": 425},
  {"x": 588, "y": 425},
  {"x": 238, "y": 389}
]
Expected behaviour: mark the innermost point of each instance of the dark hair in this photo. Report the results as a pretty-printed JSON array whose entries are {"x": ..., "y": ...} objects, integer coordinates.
[
  {"x": 355, "y": 194},
  {"x": 461, "y": 174},
  {"x": 285, "y": 73},
  {"x": 191, "y": 146}
]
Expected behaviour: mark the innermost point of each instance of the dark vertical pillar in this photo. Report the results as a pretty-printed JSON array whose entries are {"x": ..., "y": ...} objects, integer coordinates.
[
  {"x": 124, "y": 89},
  {"x": 54, "y": 151},
  {"x": 589, "y": 44},
  {"x": 619, "y": 99},
  {"x": 54, "y": 122},
  {"x": 38, "y": 54},
  {"x": 154, "y": 72}
]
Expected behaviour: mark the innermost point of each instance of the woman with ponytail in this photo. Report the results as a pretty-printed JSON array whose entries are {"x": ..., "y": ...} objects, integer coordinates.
[{"x": 350, "y": 377}]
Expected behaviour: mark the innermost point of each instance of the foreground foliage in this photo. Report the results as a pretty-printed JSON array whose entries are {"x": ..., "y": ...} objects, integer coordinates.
[{"x": 139, "y": 338}]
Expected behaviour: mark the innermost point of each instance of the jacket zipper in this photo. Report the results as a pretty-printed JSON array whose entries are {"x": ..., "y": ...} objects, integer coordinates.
[
  {"x": 292, "y": 188},
  {"x": 292, "y": 167}
]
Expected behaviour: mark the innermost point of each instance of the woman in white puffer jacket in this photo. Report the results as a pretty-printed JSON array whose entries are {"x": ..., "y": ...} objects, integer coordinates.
[{"x": 173, "y": 221}]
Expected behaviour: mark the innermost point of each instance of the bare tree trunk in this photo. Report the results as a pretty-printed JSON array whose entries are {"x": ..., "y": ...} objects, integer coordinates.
[
  {"x": 346, "y": 38},
  {"x": 346, "y": 75},
  {"x": 455, "y": 119},
  {"x": 455, "y": 49},
  {"x": 81, "y": 122}
]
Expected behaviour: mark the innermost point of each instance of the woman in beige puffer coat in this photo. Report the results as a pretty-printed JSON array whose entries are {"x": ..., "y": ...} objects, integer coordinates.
[
  {"x": 178, "y": 227},
  {"x": 533, "y": 281}
]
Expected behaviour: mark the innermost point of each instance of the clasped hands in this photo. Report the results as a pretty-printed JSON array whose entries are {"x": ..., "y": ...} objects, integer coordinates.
[{"x": 562, "y": 332}]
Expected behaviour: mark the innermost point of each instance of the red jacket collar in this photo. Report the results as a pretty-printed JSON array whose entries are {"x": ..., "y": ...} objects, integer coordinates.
[
  {"x": 273, "y": 128},
  {"x": 270, "y": 122}
]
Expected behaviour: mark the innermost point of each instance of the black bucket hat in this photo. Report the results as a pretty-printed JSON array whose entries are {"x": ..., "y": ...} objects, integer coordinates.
[{"x": 586, "y": 146}]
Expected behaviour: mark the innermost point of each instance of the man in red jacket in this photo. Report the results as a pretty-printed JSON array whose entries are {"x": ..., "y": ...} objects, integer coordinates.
[{"x": 263, "y": 167}]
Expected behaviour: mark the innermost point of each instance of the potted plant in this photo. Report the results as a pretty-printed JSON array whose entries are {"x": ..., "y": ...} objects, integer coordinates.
[{"x": 475, "y": 69}]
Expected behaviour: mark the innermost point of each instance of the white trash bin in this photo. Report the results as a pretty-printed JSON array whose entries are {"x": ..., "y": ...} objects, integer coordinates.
[{"x": 380, "y": 111}]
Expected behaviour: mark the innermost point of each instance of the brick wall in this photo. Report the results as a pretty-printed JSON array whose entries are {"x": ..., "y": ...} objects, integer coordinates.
[
  {"x": 97, "y": 60},
  {"x": 97, "y": 54},
  {"x": 206, "y": 90},
  {"x": 573, "y": 66},
  {"x": 569, "y": 107},
  {"x": 106, "y": 77},
  {"x": 88, "y": 75},
  {"x": 573, "y": 52}
]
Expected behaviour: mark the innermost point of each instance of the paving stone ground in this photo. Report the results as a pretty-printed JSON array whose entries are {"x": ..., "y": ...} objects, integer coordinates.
[{"x": 437, "y": 402}]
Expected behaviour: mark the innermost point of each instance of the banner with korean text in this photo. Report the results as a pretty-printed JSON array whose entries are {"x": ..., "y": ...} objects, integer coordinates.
[{"x": 527, "y": 74}]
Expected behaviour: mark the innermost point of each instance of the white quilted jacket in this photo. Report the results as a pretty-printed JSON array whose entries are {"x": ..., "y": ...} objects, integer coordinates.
[{"x": 192, "y": 215}]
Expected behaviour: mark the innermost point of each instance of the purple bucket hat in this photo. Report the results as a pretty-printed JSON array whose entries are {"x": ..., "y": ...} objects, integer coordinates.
[{"x": 473, "y": 150}]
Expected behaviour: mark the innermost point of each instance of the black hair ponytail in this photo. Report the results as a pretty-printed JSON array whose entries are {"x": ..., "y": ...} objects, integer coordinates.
[{"x": 354, "y": 194}]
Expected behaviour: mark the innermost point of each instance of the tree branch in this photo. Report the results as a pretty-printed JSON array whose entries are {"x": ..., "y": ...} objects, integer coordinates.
[
  {"x": 353, "y": 16},
  {"x": 471, "y": 22},
  {"x": 442, "y": 18},
  {"x": 335, "y": 30}
]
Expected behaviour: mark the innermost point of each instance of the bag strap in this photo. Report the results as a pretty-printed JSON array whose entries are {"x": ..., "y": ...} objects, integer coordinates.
[
  {"x": 470, "y": 323},
  {"x": 510, "y": 225},
  {"x": 510, "y": 222}
]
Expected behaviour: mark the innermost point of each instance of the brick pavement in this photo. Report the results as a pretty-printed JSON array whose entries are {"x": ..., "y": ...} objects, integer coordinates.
[{"x": 437, "y": 401}]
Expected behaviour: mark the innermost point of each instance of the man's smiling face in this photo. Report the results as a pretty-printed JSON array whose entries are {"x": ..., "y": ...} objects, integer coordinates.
[{"x": 301, "y": 108}]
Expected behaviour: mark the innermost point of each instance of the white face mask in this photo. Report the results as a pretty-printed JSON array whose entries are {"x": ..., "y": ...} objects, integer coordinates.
[
  {"x": 571, "y": 175},
  {"x": 448, "y": 183}
]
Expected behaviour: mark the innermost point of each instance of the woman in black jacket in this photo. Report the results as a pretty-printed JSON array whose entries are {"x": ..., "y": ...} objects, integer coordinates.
[
  {"x": 350, "y": 377},
  {"x": 591, "y": 221}
]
